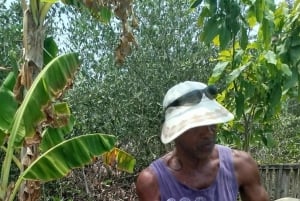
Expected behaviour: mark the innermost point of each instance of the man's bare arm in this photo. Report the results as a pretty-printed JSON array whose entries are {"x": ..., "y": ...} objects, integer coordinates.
[
  {"x": 147, "y": 186},
  {"x": 248, "y": 178}
]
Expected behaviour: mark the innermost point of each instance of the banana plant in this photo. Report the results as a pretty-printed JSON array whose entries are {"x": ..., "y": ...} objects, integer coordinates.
[
  {"x": 33, "y": 124},
  {"x": 43, "y": 120}
]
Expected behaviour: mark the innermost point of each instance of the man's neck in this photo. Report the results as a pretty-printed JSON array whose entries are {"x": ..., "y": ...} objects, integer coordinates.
[{"x": 180, "y": 160}]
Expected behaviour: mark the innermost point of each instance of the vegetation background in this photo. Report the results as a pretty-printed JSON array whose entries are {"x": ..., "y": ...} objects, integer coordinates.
[{"x": 125, "y": 100}]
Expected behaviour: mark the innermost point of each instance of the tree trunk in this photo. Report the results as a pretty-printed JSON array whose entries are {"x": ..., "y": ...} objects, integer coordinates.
[{"x": 33, "y": 41}]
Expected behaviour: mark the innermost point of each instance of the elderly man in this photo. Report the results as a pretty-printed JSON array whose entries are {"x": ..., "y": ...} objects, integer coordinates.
[{"x": 197, "y": 169}]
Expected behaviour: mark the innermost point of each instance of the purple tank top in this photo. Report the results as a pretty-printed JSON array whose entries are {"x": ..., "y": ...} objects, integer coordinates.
[{"x": 224, "y": 188}]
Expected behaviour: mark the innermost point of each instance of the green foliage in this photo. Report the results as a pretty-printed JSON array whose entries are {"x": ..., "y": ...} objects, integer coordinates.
[
  {"x": 10, "y": 37},
  {"x": 48, "y": 85},
  {"x": 8, "y": 105},
  {"x": 50, "y": 50},
  {"x": 127, "y": 98},
  {"x": 258, "y": 76},
  {"x": 286, "y": 137},
  {"x": 38, "y": 110}
]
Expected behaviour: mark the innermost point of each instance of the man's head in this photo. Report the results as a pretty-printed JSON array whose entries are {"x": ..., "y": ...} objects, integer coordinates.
[{"x": 188, "y": 105}]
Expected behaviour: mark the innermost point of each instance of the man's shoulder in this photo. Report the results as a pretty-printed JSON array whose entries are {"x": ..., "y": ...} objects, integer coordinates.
[
  {"x": 244, "y": 164},
  {"x": 147, "y": 185},
  {"x": 238, "y": 155},
  {"x": 242, "y": 157},
  {"x": 147, "y": 174}
]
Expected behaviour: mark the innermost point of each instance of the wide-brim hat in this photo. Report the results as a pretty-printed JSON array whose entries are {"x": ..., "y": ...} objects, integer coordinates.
[{"x": 180, "y": 118}]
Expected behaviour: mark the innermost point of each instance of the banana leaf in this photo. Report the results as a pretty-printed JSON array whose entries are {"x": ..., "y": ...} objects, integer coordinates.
[
  {"x": 58, "y": 161},
  {"x": 50, "y": 83},
  {"x": 119, "y": 159},
  {"x": 53, "y": 136},
  {"x": 8, "y": 104},
  {"x": 78, "y": 151}
]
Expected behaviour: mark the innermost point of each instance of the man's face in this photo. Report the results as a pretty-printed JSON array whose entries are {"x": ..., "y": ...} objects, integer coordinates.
[{"x": 198, "y": 141}]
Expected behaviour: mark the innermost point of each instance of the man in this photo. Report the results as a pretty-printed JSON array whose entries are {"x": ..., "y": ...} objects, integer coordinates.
[{"x": 197, "y": 169}]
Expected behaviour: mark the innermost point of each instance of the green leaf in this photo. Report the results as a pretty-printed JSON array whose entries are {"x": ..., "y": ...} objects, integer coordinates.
[
  {"x": 196, "y": 3},
  {"x": 217, "y": 72},
  {"x": 50, "y": 50},
  {"x": 270, "y": 56},
  {"x": 205, "y": 12},
  {"x": 239, "y": 101},
  {"x": 210, "y": 30},
  {"x": 79, "y": 151},
  {"x": 251, "y": 16},
  {"x": 259, "y": 8},
  {"x": 267, "y": 30},
  {"x": 60, "y": 114},
  {"x": 285, "y": 69},
  {"x": 267, "y": 139},
  {"x": 249, "y": 90},
  {"x": 9, "y": 82},
  {"x": 225, "y": 36},
  {"x": 105, "y": 14},
  {"x": 8, "y": 104},
  {"x": 264, "y": 139},
  {"x": 236, "y": 73},
  {"x": 49, "y": 84},
  {"x": 294, "y": 53},
  {"x": 53, "y": 136},
  {"x": 274, "y": 100},
  {"x": 212, "y": 5},
  {"x": 243, "y": 38},
  {"x": 292, "y": 81}
]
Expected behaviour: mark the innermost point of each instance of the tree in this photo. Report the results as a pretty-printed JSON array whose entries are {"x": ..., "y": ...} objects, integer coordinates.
[
  {"x": 258, "y": 60},
  {"x": 10, "y": 37},
  {"x": 128, "y": 97},
  {"x": 39, "y": 115}
]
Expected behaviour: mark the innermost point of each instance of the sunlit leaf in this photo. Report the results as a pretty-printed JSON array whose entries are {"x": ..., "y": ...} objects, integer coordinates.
[
  {"x": 251, "y": 17},
  {"x": 218, "y": 70},
  {"x": 119, "y": 159},
  {"x": 270, "y": 56},
  {"x": 259, "y": 8},
  {"x": 216, "y": 40},
  {"x": 236, "y": 73},
  {"x": 285, "y": 69}
]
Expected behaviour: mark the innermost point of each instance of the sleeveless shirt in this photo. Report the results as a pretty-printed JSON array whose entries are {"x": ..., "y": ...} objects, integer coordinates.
[{"x": 224, "y": 187}]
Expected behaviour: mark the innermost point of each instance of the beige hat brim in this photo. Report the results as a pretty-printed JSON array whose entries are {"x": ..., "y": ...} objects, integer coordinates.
[{"x": 182, "y": 118}]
